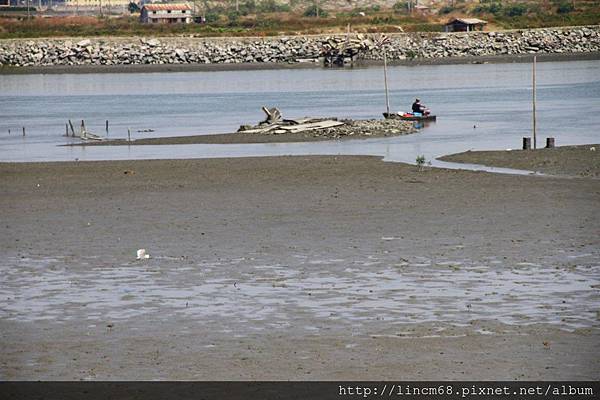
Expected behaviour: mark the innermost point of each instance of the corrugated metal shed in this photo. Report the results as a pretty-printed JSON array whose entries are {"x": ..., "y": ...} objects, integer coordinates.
[{"x": 468, "y": 21}]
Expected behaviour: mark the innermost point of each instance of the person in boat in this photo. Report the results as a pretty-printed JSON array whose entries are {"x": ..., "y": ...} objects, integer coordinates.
[{"x": 417, "y": 107}]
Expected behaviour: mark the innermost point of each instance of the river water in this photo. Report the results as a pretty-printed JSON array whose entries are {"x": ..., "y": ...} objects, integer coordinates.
[{"x": 479, "y": 106}]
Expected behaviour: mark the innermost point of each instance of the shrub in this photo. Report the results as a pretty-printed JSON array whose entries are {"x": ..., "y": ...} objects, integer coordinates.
[
  {"x": 420, "y": 162},
  {"x": 133, "y": 7},
  {"x": 516, "y": 10},
  {"x": 400, "y": 6},
  {"x": 212, "y": 16},
  {"x": 565, "y": 7},
  {"x": 446, "y": 10},
  {"x": 233, "y": 17},
  {"x": 312, "y": 12},
  {"x": 490, "y": 8}
]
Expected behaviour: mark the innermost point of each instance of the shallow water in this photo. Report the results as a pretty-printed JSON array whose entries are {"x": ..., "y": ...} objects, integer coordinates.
[
  {"x": 478, "y": 107},
  {"x": 360, "y": 292}
]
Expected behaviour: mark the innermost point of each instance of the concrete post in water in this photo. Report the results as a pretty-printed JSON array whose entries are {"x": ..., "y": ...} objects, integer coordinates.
[
  {"x": 526, "y": 143},
  {"x": 550, "y": 143}
]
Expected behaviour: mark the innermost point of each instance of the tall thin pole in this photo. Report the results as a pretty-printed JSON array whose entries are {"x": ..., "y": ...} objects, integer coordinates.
[
  {"x": 317, "y": 8},
  {"x": 534, "y": 127},
  {"x": 387, "y": 97},
  {"x": 237, "y": 6}
]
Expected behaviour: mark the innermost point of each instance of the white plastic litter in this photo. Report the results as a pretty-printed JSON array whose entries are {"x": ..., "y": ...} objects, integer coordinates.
[{"x": 141, "y": 254}]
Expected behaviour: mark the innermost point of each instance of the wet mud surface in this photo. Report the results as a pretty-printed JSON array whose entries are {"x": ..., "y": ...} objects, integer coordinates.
[
  {"x": 296, "y": 268},
  {"x": 581, "y": 160}
]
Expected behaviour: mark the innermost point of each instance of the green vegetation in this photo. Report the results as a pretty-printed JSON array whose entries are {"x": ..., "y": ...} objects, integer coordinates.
[
  {"x": 565, "y": 7},
  {"x": 288, "y": 17},
  {"x": 420, "y": 162},
  {"x": 133, "y": 7}
]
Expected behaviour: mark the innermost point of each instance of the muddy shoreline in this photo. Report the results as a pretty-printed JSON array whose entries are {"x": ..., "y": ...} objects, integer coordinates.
[
  {"x": 150, "y": 68},
  {"x": 582, "y": 161},
  {"x": 302, "y": 268}
]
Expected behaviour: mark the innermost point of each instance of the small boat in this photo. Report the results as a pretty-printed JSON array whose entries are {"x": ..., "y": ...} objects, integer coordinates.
[{"x": 409, "y": 116}]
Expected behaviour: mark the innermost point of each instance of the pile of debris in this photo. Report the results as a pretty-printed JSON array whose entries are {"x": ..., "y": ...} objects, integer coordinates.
[
  {"x": 340, "y": 51},
  {"x": 368, "y": 128},
  {"x": 274, "y": 124},
  {"x": 83, "y": 134},
  {"x": 328, "y": 128}
]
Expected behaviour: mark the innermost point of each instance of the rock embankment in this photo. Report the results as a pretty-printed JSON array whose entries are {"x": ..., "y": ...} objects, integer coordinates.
[{"x": 192, "y": 50}]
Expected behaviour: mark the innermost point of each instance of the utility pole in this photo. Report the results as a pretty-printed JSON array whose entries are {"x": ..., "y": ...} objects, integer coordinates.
[
  {"x": 28, "y": 12},
  {"x": 237, "y": 6},
  {"x": 317, "y": 8},
  {"x": 534, "y": 121},
  {"x": 387, "y": 97}
]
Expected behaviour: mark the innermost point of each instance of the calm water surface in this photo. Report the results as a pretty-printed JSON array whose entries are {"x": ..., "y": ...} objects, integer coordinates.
[{"x": 478, "y": 107}]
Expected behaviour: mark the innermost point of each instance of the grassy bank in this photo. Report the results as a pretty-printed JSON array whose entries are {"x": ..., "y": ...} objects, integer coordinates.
[{"x": 223, "y": 20}]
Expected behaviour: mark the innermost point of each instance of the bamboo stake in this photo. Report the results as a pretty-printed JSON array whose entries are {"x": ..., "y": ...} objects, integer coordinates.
[
  {"x": 72, "y": 129},
  {"x": 534, "y": 119},
  {"x": 387, "y": 98}
]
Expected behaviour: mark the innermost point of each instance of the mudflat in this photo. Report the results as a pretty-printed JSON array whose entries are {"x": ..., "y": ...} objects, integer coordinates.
[
  {"x": 296, "y": 268},
  {"x": 581, "y": 160}
]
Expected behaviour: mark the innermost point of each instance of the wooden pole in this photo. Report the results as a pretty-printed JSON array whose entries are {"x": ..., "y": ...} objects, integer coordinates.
[
  {"x": 106, "y": 127},
  {"x": 128, "y": 135},
  {"x": 67, "y": 130},
  {"x": 72, "y": 129},
  {"x": 387, "y": 97},
  {"x": 534, "y": 121},
  {"x": 23, "y": 131}
]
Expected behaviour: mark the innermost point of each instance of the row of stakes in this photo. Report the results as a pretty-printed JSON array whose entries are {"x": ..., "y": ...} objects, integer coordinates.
[
  {"x": 83, "y": 131},
  {"x": 70, "y": 124}
]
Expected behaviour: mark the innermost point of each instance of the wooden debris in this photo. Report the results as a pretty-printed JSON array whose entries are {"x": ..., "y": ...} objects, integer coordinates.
[
  {"x": 273, "y": 115},
  {"x": 311, "y": 126}
]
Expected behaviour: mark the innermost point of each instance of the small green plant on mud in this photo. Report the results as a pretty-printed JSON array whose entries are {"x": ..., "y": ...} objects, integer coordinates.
[{"x": 420, "y": 162}]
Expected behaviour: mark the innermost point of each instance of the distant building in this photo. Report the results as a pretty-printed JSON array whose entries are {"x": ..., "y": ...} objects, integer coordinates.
[
  {"x": 465, "y": 25},
  {"x": 168, "y": 13}
]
